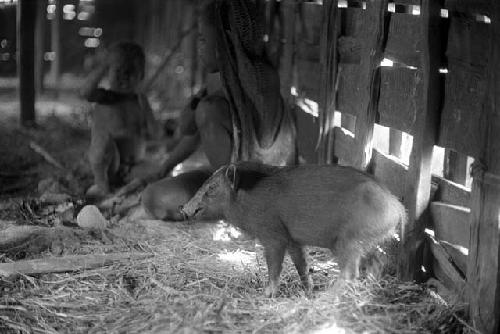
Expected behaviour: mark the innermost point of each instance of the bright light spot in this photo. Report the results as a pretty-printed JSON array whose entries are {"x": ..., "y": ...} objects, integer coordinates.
[
  {"x": 429, "y": 232},
  {"x": 386, "y": 63},
  {"x": 342, "y": 4},
  {"x": 3, "y": 43},
  {"x": 49, "y": 56},
  {"x": 437, "y": 161},
  {"x": 364, "y": 5},
  {"x": 177, "y": 170},
  {"x": 381, "y": 138},
  {"x": 483, "y": 18},
  {"x": 337, "y": 118},
  {"x": 391, "y": 7},
  {"x": 328, "y": 265},
  {"x": 91, "y": 42},
  {"x": 83, "y": 16},
  {"x": 239, "y": 258},
  {"x": 406, "y": 147},
  {"x": 415, "y": 10},
  {"x": 68, "y": 9},
  {"x": 98, "y": 32},
  {"x": 293, "y": 91},
  {"x": 309, "y": 106},
  {"x": 443, "y": 70},
  {"x": 225, "y": 232},
  {"x": 330, "y": 329},
  {"x": 396, "y": 237},
  {"x": 444, "y": 13},
  {"x": 51, "y": 9},
  {"x": 69, "y": 16},
  {"x": 265, "y": 38}
]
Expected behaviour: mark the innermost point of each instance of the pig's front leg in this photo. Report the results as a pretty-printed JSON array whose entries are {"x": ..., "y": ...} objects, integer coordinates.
[
  {"x": 298, "y": 256},
  {"x": 274, "y": 252}
]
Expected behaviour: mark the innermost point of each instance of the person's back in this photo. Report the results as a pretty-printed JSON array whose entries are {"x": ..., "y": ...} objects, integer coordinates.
[{"x": 121, "y": 119}]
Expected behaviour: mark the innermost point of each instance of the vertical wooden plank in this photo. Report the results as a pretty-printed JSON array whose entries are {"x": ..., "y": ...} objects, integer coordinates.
[
  {"x": 26, "y": 16},
  {"x": 329, "y": 65},
  {"x": 483, "y": 270},
  {"x": 372, "y": 42},
  {"x": 348, "y": 122},
  {"x": 41, "y": 19},
  {"x": 455, "y": 168},
  {"x": 55, "y": 69},
  {"x": 418, "y": 186},
  {"x": 287, "y": 60},
  {"x": 395, "y": 141}
]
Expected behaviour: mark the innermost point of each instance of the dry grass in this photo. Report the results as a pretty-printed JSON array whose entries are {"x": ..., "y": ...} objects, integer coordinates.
[{"x": 194, "y": 283}]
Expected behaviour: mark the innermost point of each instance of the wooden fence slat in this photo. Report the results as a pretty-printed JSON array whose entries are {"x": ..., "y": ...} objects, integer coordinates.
[
  {"x": 404, "y": 41},
  {"x": 395, "y": 142},
  {"x": 451, "y": 223},
  {"x": 445, "y": 271},
  {"x": 399, "y": 99},
  {"x": 390, "y": 172},
  {"x": 418, "y": 183},
  {"x": 469, "y": 6},
  {"x": 451, "y": 193},
  {"x": 372, "y": 38},
  {"x": 287, "y": 59},
  {"x": 307, "y": 135},
  {"x": 463, "y": 120},
  {"x": 349, "y": 91},
  {"x": 483, "y": 269}
]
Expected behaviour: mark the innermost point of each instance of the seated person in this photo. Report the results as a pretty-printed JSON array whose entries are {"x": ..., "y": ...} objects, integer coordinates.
[
  {"x": 122, "y": 118},
  {"x": 240, "y": 116}
]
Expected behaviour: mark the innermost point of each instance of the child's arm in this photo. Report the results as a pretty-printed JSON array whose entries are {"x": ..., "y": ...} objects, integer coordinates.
[{"x": 92, "y": 81}]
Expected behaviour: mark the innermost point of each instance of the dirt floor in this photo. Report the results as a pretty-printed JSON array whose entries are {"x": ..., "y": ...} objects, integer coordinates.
[{"x": 172, "y": 277}]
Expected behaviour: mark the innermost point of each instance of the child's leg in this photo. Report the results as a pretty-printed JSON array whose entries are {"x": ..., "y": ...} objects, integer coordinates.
[{"x": 104, "y": 162}]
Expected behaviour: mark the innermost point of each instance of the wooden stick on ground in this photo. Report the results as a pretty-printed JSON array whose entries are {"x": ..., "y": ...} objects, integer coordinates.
[
  {"x": 66, "y": 263},
  {"x": 46, "y": 155}
]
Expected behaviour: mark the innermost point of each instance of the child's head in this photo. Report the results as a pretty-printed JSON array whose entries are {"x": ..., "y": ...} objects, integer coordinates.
[{"x": 126, "y": 66}]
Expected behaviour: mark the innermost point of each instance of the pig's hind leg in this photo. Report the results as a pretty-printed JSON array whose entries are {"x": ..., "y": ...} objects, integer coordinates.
[{"x": 298, "y": 256}]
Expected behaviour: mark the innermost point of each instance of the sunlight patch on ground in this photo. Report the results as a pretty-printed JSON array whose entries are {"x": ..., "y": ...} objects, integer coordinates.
[
  {"x": 239, "y": 258},
  {"x": 225, "y": 232},
  {"x": 331, "y": 329}
]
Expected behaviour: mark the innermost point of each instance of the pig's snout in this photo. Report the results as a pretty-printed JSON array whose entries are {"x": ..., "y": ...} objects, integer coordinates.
[{"x": 187, "y": 213}]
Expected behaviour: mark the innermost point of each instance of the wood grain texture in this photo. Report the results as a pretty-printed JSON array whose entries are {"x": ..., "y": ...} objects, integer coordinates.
[
  {"x": 390, "y": 172},
  {"x": 451, "y": 193},
  {"x": 470, "y": 6},
  {"x": 483, "y": 270},
  {"x": 451, "y": 223},
  {"x": 404, "y": 43},
  {"x": 399, "y": 98}
]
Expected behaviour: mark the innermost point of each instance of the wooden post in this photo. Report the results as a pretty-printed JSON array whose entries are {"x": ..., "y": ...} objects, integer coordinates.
[
  {"x": 329, "y": 65},
  {"x": 26, "y": 15},
  {"x": 418, "y": 186},
  {"x": 348, "y": 122},
  {"x": 395, "y": 141},
  {"x": 455, "y": 167},
  {"x": 41, "y": 19},
  {"x": 483, "y": 270},
  {"x": 372, "y": 41},
  {"x": 287, "y": 60},
  {"x": 55, "y": 69}
]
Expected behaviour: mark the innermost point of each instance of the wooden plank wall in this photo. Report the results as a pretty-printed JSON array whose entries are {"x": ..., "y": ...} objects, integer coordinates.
[{"x": 443, "y": 89}]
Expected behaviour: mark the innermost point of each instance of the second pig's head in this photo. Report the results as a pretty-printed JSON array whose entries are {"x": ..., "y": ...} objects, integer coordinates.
[{"x": 214, "y": 195}]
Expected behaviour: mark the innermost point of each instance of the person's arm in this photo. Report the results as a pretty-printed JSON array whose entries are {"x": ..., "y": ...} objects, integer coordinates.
[{"x": 92, "y": 81}]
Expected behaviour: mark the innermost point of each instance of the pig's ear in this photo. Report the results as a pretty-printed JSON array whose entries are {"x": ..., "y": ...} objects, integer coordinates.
[{"x": 232, "y": 176}]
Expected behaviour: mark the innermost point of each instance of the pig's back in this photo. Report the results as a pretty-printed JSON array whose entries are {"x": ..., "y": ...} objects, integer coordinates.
[{"x": 320, "y": 204}]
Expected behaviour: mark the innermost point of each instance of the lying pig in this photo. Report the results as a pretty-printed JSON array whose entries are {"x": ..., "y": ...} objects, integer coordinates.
[{"x": 286, "y": 208}]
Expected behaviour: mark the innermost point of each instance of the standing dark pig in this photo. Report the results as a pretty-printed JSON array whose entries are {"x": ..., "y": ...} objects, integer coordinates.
[{"x": 286, "y": 208}]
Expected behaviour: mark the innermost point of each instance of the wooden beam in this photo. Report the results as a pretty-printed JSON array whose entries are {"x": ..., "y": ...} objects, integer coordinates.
[
  {"x": 41, "y": 20},
  {"x": 26, "y": 17},
  {"x": 418, "y": 183},
  {"x": 483, "y": 269},
  {"x": 372, "y": 40}
]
